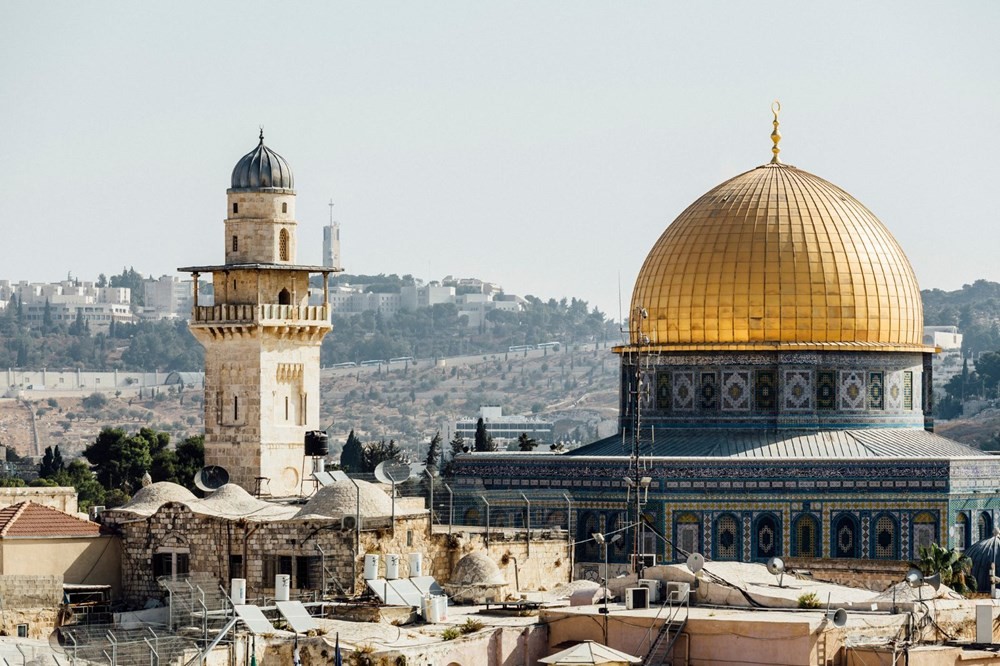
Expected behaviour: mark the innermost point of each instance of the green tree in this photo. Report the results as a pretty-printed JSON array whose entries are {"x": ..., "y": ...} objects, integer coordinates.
[
  {"x": 434, "y": 451},
  {"x": 525, "y": 443},
  {"x": 482, "y": 438},
  {"x": 190, "y": 459},
  {"x": 95, "y": 401},
  {"x": 119, "y": 460},
  {"x": 380, "y": 452},
  {"x": 352, "y": 456},
  {"x": 955, "y": 568}
]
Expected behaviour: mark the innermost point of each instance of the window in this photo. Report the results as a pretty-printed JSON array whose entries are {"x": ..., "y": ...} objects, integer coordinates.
[
  {"x": 924, "y": 531},
  {"x": 767, "y": 537},
  {"x": 236, "y": 408},
  {"x": 236, "y": 566},
  {"x": 234, "y": 284},
  {"x": 727, "y": 538},
  {"x": 303, "y": 412},
  {"x": 22, "y": 631},
  {"x": 236, "y": 208},
  {"x": 961, "y": 532},
  {"x": 286, "y": 407},
  {"x": 845, "y": 537},
  {"x": 170, "y": 563},
  {"x": 236, "y": 243},
  {"x": 409, "y": 538},
  {"x": 284, "y": 206},
  {"x": 885, "y": 538},
  {"x": 283, "y": 245},
  {"x": 806, "y": 541},
  {"x": 284, "y": 298},
  {"x": 984, "y": 526},
  {"x": 689, "y": 533}
]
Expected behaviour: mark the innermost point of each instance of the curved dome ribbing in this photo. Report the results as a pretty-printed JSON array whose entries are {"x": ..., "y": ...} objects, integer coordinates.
[
  {"x": 778, "y": 257},
  {"x": 261, "y": 169}
]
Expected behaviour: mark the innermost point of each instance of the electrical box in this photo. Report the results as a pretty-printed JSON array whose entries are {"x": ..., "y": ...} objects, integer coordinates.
[
  {"x": 984, "y": 623},
  {"x": 636, "y": 598}
]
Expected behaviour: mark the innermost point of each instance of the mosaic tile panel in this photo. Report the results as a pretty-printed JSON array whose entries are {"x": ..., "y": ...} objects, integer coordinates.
[
  {"x": 709, "y": 398},
  {"x": 904, "y": 534},
  {"x": 852, "y": 390},
  {"x": 894, "y": 391},
  {"x": 865, "y": 535},
  {"x": 908, "y": 390},
  {"x": 876, "y": 390},
  {"x": 747, "y": 537},
  {"x": 683, "y": 391},
  {"x": 663, "y": 396},
  {"x": 798, "y": 390},
  {"x": 766, "y": 390},
  {"x": 645, "y": 389},
  {"x": 826, "y": 389},
  {"x": 736, "y": 391}
]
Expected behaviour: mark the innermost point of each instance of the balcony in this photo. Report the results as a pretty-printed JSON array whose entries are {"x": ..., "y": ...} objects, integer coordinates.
[{"x": 227, "y": 320}]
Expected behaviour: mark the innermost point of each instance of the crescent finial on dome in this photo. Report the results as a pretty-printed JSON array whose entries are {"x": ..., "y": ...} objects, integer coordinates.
[{"x": 775, "y": 135}]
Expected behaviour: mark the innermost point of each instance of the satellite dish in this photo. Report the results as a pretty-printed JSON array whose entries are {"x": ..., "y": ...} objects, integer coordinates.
[
  {"x": 695, "y": 562},
  {"x": 914, "y": 578},
  {"x": 839, "y": 617},
  {"x": 775, "y": 566},
  {"x": 392, "y": 471},
  {"x": 210, "y": 478}
]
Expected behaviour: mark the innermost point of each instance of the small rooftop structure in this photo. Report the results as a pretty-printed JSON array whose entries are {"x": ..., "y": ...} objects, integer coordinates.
[
  {"x": 340, "y": 498},
  {"x": 476, "y": 579},
  {"x": 591, "y": 654},
  {"x": 27, "y": 519}
]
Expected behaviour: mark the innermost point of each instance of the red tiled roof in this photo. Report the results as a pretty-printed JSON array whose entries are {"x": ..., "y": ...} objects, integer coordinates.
[{"x": 27, "y": 519}]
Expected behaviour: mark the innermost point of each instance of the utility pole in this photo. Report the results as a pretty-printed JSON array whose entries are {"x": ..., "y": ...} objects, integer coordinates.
[{"x": 635, "y": 480}]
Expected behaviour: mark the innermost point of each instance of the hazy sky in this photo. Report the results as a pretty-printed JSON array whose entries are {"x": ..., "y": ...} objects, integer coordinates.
[{"x": 544, "y": 146}]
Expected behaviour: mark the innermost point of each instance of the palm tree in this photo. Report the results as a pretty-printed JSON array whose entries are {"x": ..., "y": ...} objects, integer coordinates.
[{"x": 955, "y": 568}]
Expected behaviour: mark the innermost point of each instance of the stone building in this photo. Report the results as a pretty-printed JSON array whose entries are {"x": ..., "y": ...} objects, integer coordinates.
[
  {"x": 261, "y": 336},
  {"x": 775, "y": 395}
]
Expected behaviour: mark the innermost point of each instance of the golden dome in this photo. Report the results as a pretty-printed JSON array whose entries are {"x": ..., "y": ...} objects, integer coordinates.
[{"x": 777, "y": 258}]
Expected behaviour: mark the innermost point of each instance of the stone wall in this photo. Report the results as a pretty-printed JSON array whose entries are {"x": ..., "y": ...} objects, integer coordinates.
[
  {"x": 30, "y": 600},
  {"x": 875, "y": 575},
  {"x": 59, "y": 497}
]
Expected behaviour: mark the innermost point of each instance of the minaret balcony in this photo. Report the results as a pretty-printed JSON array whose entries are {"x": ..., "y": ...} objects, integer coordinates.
[{"x": 229, "y": 319}]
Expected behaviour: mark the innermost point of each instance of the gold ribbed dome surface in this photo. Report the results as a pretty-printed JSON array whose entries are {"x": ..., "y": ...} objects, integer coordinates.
[{"x": 778, "y": 258}]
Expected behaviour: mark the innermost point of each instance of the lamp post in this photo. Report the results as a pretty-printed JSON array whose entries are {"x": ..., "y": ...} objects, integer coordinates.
[{"x": 602, "y": 540}]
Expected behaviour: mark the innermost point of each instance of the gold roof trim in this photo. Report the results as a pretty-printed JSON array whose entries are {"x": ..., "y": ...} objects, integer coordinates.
[{"x": 654, "y": 348}]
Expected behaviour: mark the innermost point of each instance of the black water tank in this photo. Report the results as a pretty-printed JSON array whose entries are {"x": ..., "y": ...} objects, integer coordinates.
[{"x": 317, "y": 443}]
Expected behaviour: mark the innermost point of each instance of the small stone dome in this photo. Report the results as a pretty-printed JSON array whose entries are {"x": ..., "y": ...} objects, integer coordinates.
[
  {"x": 262, "y": 169},
  {"x": 152, "y": 497},
  {"x": 983, "y": 554},
  {"x": 477, "y": 569},
  {"x": 340, "y": 498}
]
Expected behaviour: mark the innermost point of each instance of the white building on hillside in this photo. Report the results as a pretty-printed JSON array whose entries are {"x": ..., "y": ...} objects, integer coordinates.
[
  {"x": 169, "y": 297},
  {"x": 67, "y": 300}
]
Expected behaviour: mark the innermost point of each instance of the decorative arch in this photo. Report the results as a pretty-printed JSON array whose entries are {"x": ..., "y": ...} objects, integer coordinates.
[
  {"x": 283, "y": 245},
  {"x": 687, "y": 534},
  {"x": 726, "y": 538},
  {"x": 284, "y": 298},
  {"x": 963, "y": 531},
  {"x": 925, "y": 531},
  {"x": 766, "y": 536},
  {"x": 556, "y": 518},
  {"x": 806, "y": 536},
  {"x": 885, "y": 539},
  {"x": 587, "y": 549},
  {"x": 471, "y": 516},
  {"x": 846, "y": 537},
  {"x": 984, "y": 525}
]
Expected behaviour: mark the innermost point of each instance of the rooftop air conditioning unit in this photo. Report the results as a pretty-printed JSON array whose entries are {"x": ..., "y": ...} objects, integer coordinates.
[
  {"x": 678, "y": 592},
  {"x": 350, "y": 522},
  {"x": 636, "y": 597},
  {"x": 654, "y": 589}
]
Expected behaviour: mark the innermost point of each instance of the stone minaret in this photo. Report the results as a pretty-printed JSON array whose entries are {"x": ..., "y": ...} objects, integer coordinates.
[{"x": 261, "y": 336}]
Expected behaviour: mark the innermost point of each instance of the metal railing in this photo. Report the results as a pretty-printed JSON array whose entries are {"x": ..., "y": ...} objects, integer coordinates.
[{"x": 253, "y": 314}]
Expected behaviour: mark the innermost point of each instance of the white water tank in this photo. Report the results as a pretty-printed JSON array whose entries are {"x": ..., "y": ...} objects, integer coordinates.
[
  {"x": 392, "y": 566},
  {"x": 437, "y": 609},
  {"x": 282, "y": 587},
  {"x": 238, "y": 591},
  {"x": 371, "y": 567},
  {"x": 416, "y": 564}
]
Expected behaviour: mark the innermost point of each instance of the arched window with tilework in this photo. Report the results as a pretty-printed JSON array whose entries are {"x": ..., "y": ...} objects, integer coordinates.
[
  {"x": 587, "y": 549},
  {"x": 766, "y": 536},
  {"x": 885, "y": 543},
  {"x": 805, "y": 536},
  {"x": 846, "y": 537},
  {"x": 984, "y": 526},
  {"x": 726, "y": 539},
  {"x": 687, "y": 534},
  {"x": 924, "y": 531}
]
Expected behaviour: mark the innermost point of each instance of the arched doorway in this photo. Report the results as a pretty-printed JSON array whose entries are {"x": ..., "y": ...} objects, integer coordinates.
[
  {"x": 886, "y": 542},
  {"x": 284, "y": 298},
  {"x": 726, "y": 540},
  {"x": 806, "y": 537}
]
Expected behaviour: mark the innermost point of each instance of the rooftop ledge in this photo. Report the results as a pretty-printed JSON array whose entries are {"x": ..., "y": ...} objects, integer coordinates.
[
  {"x": 270, "y": 314},
  {"x": 254, "y": 266}
]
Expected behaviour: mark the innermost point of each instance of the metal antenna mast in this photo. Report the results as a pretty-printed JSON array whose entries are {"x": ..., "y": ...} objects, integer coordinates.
[{"x": 635, "y": 481}]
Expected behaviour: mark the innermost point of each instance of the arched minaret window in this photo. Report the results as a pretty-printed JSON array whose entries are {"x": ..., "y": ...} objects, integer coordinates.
[
  {"x": 236, "y": 243},
  {"x": 284, "y": 206},
  {"x": 284, "y": 298},
  {"x": 283, "y": 245}
]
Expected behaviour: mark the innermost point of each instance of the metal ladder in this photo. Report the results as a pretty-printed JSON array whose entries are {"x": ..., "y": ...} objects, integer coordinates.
[{"x": 673, "y": 625}]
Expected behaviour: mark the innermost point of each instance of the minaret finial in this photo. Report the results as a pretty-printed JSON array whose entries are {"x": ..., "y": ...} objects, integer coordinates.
[
  {"x": 262, "y": 133},
  {"x": 775, "y": 135}
]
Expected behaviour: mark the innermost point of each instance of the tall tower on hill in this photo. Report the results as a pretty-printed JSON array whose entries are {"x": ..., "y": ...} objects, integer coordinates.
[
  {"x": 261, "y": 336},
  {"x": 331, "y": 243}
]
